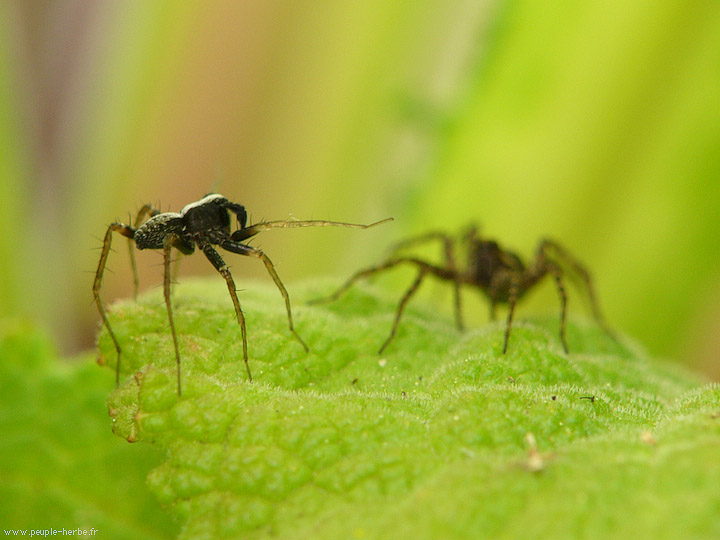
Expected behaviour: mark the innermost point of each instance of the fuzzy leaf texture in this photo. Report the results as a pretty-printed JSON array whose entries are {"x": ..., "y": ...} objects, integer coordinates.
[
  {"x": 440, "y": 437},
  {"x": 60, "y": 468}
]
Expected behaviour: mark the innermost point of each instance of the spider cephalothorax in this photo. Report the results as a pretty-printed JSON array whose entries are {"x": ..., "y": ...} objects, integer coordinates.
[
  {"x": 202, "y": 222},
  {"x": 205, "y": 225},
  {"x": 500, "y": 275}
]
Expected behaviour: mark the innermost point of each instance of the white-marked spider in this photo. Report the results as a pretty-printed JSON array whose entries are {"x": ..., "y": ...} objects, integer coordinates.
[
  {"x": 499, "y": 274},
  {"x": 205, "y": 224}
]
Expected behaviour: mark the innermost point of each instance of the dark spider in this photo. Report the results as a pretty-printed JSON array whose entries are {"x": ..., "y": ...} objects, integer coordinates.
[
  {"x": 205, "y": 223},
  {"x": 500, "y": 275}
]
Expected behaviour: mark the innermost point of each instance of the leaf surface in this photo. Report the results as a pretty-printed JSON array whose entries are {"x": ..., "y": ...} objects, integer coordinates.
[{"x": 440, "y": 437}]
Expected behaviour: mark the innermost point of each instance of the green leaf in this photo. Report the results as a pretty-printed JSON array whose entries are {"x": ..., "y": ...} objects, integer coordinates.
[
  {"x": 440, "y": 437},
  {"x": 60, "y": 466}
]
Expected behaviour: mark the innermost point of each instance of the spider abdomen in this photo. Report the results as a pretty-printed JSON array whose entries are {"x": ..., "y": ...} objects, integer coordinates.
[{"x": 152, "y": 233}]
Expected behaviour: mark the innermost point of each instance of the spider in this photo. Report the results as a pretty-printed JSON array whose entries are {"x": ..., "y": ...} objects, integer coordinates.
[
  {"x": 499, "y": 274},
  {"x": 202, "y": 224}
]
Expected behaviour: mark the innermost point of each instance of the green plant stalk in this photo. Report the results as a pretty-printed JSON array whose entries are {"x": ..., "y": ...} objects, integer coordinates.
[{"x": 440, "y": 437}]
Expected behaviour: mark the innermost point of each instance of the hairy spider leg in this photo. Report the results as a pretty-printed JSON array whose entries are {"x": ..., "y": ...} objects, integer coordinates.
[
  {"x": 175, "y": 270},
  {"x": 243, "y": 249},
  {"x": 401, "y": 306},
  {"x": 128, "y": 232},
  {"x": 512, "y": 300},
  {"x": 168, "y": 242},
  {"x": 143, "y": 213},
  {"x": 446, "y": 239},
  {"x": 557, "y": 275},
  {"x": 252, "y": 230},
  {"x": 578, "y": 268},
  {"x": 219, "y": 264},
  {"x": 238, "y": 210},
  {"x": 423, "y": 269},
  {"x": 449, "y": 248},
  {"x": 532, "y": 275}
]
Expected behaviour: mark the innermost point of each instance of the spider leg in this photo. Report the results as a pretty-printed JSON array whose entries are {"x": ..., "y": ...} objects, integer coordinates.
[
  {"x": 238, "y": 210},
  {"x": 357, "y": 276},
  {"x": 545, "y": 265},
  {"x": 167, "y": 252},
  {"x": 471, "y": 234},
  {"x": 401, "y": 306},
  {"x": 423, "y": 269},
  {"x": 449, "y": 250},
  {"x": 579, "y": 269},
  {"x": 458, "y": 305},
  {"x": 146, "y": 210},
  {"x": 512, "y": 300},
  {"x": 128, "y": 232},
  {"x": 557, "y": 275},
  {"x": 446, "y": 239},
  {"x": 219, "y": 264},
  {"x": 247, "y": 232},
  {"x": 242, "y": 249},
  {"x": 176, "y": 269}
]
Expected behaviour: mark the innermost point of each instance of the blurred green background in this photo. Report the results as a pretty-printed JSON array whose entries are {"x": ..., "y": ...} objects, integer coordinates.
[{"x": 595, "y": 123}]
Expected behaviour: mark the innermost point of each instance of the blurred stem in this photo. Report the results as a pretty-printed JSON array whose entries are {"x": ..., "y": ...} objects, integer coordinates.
[{"x": 15, "y": 227}]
